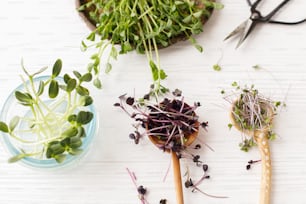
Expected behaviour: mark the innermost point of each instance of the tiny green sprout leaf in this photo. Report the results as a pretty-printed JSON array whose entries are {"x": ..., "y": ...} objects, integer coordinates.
[
  {"x": 4, "y": 127},
  {"x": 82, "y": 90},
  {"x": 187, "y": 19},
  {"x": 256, "y": 67},
  {"x": 87, "y": 100},
  {"x": 39, "y": 71},
  {"x": 71, "y": 85},
  {"x": 84, "y": 117},
  {"x": 72, "y": 118},
  {"x": 198, "y": 14},
  {"x": 53, "y": 89},
  {"x": 75, "y": 151},
  {"x": 217, "y": 5},
  {"x": 77, "y": 74},
  {"x": 60, "y": 158},
  {"x": 91, "y": 36},
  {"x": 83, "y": 46},
  {"x": 234, "y": 84},
  {"x": 17, "y": 158},
  {"x": 97, "y": 83},
  {"x": 57, "y": 67},
  {"x": 229, "y": 126},
  {"x": 66, "y": 78},
  {"x": 163, "y": 75},
  {"x": 277, "y": 104},
  {"x": 24, "y": 98},
  {"x": 199, "y": 47},
  {"x": 81, "y": 132},
  {"x": 75, "y": 142},
  {"x": 86, "y": 77},
  {"x": 108, "y": 68},
  {"x": 70, "y": 132},
  {"x": 41, "y": 88},
  {"x": 114, "y": 53},
  {"x": 217, "y": 67},
  {"x": 13, "y": 123},
  {"x": 154, "y": 70}
]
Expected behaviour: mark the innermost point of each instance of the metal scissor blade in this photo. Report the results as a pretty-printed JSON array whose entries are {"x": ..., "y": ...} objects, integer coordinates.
[
  {"x": 249, "y": 26},
  {"x": 237, "y": 30}
]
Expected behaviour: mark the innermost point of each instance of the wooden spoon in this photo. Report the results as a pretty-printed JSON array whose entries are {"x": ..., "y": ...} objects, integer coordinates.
[
  {"x": 176, "y": 163},
  {"x": 261, "y": 138}
]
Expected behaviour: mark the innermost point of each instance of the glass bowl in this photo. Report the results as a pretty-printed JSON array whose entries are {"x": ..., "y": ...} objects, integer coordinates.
[{"x": 12, "y": 107}]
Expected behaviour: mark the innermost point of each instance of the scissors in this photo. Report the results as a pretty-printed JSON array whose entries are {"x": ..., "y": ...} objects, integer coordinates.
[{"x": 246, "y": 27}]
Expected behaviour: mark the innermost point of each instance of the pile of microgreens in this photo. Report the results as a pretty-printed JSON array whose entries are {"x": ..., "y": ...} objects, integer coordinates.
[
  {"x": 144, "y": 26},
  {"x": 57, "y": 119},
  {"x": 249, "y": 111},
  {"x": 170, "y": 121}
]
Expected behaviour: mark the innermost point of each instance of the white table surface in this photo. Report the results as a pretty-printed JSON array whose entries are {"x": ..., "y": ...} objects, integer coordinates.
[{"x": 40, "y": 31}]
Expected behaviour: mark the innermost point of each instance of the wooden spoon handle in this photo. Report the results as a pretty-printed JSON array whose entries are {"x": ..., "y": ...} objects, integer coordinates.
[
  {"x": 177, "y": 178},
  {"x": 265, "y": 189}
]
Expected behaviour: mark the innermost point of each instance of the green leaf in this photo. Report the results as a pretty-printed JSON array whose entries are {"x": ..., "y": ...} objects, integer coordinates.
[
  {"x": 77, "y": 74},
  {"x": 40, "y": 88},
  {"x": 76, "y": 151},
  {"x": 73, "y": 131},
  {"x": 54, "y": 148},
  {"x": 57, "y": 67},
  {"x": 60, "y": 158},
  {"x": 40, "y": 71},
  {"x": 91, "y": 36},
  {"x": 83, "y": 46},
  {"x": 17, "y": 158},
  {"x": 4, "y": 127},
  {"x": 87, "y": 100},
  {"x": 187, "y": 19},
  {"x": 97, "y": 83},
  {"x": 154, "y": 70},
  {"x": 199, "y": 47},
  {"x": 82, "y": 91},
  {"x": 86, "y": 77},
  {"x": 84, "y": 117},
  {"x": 66, "y": 78},
  {"x": 13, "y": 123},
  {"x": 114, "y": 53},
  {"x": 197, "y": 14},
  {"x": 108, "y": 68},
  {"x": 217, "y": 67},
  {"x": 75, "y": 142},
  {"x": 163, "y": 75},
  {"x": 53, "y": 89},
  {"x": 71, "y": 85},
  {"x": 218, "y": 6},
  {"x": 72, "y": 118},
  {"x": 24, "y": 98}
]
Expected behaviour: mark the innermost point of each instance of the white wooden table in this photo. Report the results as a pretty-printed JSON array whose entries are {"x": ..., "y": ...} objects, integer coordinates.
[{"x": 40, "y": 31}]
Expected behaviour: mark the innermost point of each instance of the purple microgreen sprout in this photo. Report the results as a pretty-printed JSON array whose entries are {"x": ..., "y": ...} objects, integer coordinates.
[
  {"x": 194, "y": 186},
  {"x": 250, "y": 112},
  {"x": 170, "y": 121},
  {"x": 142, "y": 191}
]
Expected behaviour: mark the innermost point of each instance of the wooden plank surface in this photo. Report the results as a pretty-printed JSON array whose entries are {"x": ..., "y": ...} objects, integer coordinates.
[{"x": 40, "y": 31}]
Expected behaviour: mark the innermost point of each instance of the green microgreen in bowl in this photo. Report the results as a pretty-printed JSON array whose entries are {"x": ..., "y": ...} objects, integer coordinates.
[
  {"x": 144, "y": 26},
  {"x": 55, "y": 115},
  {"x": 250, "y": 112}
]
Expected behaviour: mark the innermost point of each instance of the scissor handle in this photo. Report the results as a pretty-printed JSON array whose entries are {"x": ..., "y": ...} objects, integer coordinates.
[{"x": 272, "y": 13}]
